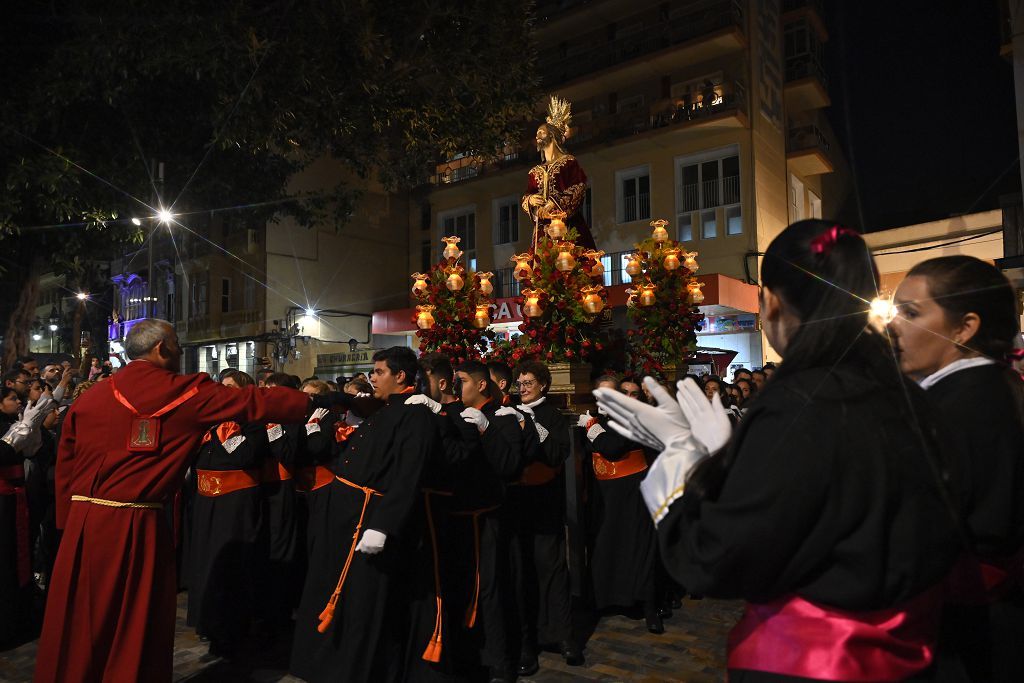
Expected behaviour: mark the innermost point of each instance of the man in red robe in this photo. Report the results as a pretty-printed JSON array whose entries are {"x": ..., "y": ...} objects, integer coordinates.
[{"x": 123, "y": 453}]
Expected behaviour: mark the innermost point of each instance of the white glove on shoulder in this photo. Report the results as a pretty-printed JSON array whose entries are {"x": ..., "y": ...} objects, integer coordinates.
[
  {"x": 665, "y": 481},
  {"x": 584, "y": 419},
  {"x": 424, "y": 400},
  {"x": 658, "y": 426},
  {"x": 475, "y": 417},
  {"x": 507, "y": 410},
  {"x": 526, "y": 410},
  {"x": 709, "y": 420},
  {"x": 372, "y": 542}
]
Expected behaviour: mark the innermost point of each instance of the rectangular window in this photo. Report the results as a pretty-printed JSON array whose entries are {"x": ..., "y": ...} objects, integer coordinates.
[
  {"x": 199, "y": 299},
  {"x": 814, "y": 201},
  {"x": 225, "y": 295},
  {"x": 733, "y": 220},
  {"x": 506, "y": 220},
  {"x": 705, "y": 182},
  {"x": 625, "y": 277},
  {"x": 708, "y": 224},
  {"x": 686, "y": 227},
  {"x": 634, "y": 194}
]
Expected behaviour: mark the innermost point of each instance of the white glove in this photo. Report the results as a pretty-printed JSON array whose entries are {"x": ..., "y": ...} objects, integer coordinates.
[
  {"x": 475, "y": 417},
  {"x": 585, "y": 419},
  {"x": 423, "y": 400},
  {"x": 353, "y": 420},
  {"x": 506, "y": 410},
  {"x": 666, "y": 479},
  {"x": 313, "y": 423},
  {"x": 372, "y": 541},
  {"x": 526, "y": 410},
  {"x": 363, "y": 394},
  {"x": 657, "y": 426},
  {"x": 709, "y": 420},
  {"x": 34, "y": 414}
]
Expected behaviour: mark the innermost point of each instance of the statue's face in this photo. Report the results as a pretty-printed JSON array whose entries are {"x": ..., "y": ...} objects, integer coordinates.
[{"x": 543, "y": 137}]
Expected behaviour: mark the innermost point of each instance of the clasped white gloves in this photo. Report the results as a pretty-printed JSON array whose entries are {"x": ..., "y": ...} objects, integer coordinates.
[
  {"x": 663, "y": 426},
  {"x": 475, "y": 417},
  {"x": 506, "y": 410},
  {"x": 594, "y": 430},
  {"x": 655, "y": 426},
  {"x": 372, "y": 542},
  {"x": 424, "y": 400},
  {"x": 313, "y": 423},
  {"x": 709, "y": 420},
  {"x": 24, "y": 435},
  {"x": 542, "y": 432}
]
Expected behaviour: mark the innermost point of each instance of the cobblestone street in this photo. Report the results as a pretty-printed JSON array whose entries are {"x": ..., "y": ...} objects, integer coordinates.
[{"x": 692, "y": 649}]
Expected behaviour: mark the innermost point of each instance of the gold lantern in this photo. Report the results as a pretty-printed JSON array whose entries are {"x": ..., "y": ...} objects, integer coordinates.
[
  {"x": 592, "y": 301},
  {"x": 690, "y": 261},
  {"x": 556, "y": 228},
  {"x": 694, "y": 295},
  {"x": 486, "y": 288},
  {"x": 425, "y": 317},
  {"x": 565, "y": 261},
  {"x": 531, "y": 303},
  {"x": 660, "y": 234},
  {"x": 671, "y": 260},
  {"x": 454, "y": 281},
  {"x": 647, "y": 294},
  {"x": 630, "y": 298},
  {"x": 482, "y": 316},
  {"x": 451, "y": 251},
  {"x": 419, "y": 287},
  {"x": 633, "y": 265},
  {"x": 523, "y": 267},
  {"x": 596, "y": 270}
]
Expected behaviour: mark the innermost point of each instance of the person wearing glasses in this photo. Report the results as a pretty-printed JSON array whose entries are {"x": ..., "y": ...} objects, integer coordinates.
[
  {"x": 18, "y": 380},
  {"x": 535, "y": 508}
]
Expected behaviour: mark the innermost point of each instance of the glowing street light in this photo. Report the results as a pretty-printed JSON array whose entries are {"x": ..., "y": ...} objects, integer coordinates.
[
  {"x": 82, "y": 296},
  {"x": 311, "y": 312},
  {"x": 164, "y": 215},
  {"x": 136, "y": 221}
]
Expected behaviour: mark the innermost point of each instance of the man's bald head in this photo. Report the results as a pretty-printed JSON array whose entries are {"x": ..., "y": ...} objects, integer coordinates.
[{"x": 154, "y": 340}]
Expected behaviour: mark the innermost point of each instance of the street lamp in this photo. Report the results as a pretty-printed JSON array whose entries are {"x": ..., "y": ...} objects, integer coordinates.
[
  {"x": 54, "y": 321},
  {"x": 82, "y": 296}
]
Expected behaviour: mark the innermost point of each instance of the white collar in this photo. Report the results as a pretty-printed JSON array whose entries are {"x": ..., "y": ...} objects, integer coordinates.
[
  {"x": 957, "y": 365},
  {"x": 534, "y": 404}
]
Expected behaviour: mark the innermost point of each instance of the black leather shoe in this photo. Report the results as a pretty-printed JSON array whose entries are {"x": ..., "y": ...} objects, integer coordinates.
[
  {"x": 528, "y": 664},
  {"x": 573, "y": 654},
  {"x": 654, "y": 624}
]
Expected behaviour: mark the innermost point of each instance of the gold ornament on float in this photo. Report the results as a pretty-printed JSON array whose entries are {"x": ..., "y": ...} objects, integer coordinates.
[
  {"x": 482, "y": 316},
  {"x": 454, "y": 282},
  {"x": 634, "y": 265},
  {"x": 565, "y": 261},
  {"x": 647, "y": 294},
  {"x": 596, "y": 270},
  {"x": 523, "y": 268},
  {"x": 694, "y": 295},
  {"x": 690, "y": 261},
  {"x": 419, "y": 287},
  {"x": 484, "y": 283},
  {"x": 531, "y": 303},
  {"x": 660, "y": 234},
  {"x": 671, "y": 260},
  {"x": 556, "y": 228},
  {"x": 451, "y": 251},
  {"x": 425, "y": 317},
  {"x": 592, "y": 301}
]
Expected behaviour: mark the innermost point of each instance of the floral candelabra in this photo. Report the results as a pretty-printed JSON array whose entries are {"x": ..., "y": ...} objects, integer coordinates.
[
  {"x": 455, "y": 307},
  {"x": 663, "y": 303},
  {"x": 562, "y": 298}
]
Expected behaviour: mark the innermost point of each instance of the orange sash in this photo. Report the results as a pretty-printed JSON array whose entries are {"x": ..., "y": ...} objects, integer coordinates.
[
  {"x": 634, "y": 462},
  {"x": 213, "y": 483},
  {"x": 537, "y": 474}
]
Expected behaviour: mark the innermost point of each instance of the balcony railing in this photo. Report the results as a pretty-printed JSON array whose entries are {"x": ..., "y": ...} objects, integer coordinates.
[
  {"x": 723, "y": 98},
  {"x": 803, "y": 66},
  {"x": 474, "y": 169},
  {"x": 710, "y": 194},
  {"x": 602, "y": 53},
  {"x": 806, "y": 137}
]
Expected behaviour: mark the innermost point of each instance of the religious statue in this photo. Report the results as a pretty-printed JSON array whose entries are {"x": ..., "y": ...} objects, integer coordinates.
[{"x": 558, "y": 183}]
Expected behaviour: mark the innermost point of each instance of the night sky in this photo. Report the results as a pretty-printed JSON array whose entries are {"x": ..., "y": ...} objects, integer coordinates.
[{"x": 924, "y": 106}]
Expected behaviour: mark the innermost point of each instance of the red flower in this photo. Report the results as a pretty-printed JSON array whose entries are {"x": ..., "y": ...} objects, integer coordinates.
[
  {"x": 569, "y": 353},
  {"x": 586, "y": 343},
  {"x": 549, "y": 355}
]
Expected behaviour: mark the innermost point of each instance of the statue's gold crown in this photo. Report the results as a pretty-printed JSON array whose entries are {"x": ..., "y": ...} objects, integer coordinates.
[{"x": 559, "y": 114}]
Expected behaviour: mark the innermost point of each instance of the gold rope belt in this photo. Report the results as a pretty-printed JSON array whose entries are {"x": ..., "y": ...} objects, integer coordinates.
[{"x": 116, "y": 503}]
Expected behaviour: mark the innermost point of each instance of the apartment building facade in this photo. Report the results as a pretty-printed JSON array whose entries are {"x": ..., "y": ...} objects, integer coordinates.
[{"x": 708, "y": 113}]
